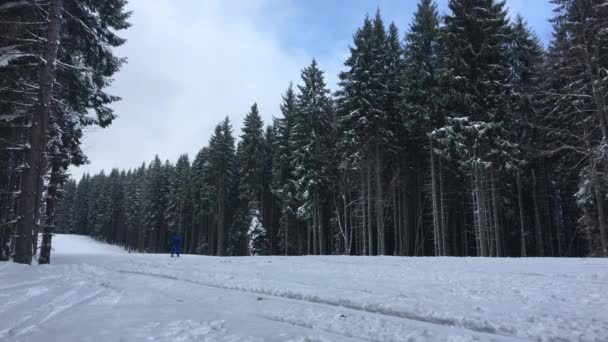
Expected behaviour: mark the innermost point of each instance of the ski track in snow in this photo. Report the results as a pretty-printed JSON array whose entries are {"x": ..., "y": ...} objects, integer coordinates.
[{"x": 96, "y": 292}]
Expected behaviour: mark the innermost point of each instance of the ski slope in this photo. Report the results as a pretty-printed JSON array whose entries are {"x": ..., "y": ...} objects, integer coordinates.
[{"x": 96, "y": 292}]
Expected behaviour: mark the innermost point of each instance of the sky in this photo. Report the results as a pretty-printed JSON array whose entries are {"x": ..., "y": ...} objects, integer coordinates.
[{"x": 191, "y": 63}]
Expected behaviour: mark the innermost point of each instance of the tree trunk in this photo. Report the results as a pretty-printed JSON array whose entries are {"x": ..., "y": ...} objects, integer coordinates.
[
  {"x": 315, "y": 225},
  {"x": 369, "y": 209},
  {"x": 522, "y": 226},
  {"x": 320, "y": 225},
  {"x": 396, "y": 224},
  {"x": 37, "y": 209},
  {"x": 220, "y": 222},
  {"x": 379, "y": 203},
  {"x": 435, "y": 200},
  {"x": 481, "y": 212},
  {"x": 497, "y": 225},
  {"x": 539, "y": 238},
  {"x": 442, "y": 205},
  {"x": 49, "y": 224},
  {"x": 489, "y": 230},
  {"x": 309, "y": 240},
  {"x": 601, "y": 215},
  {"x": 363, "y": 202},
  {"x": 286, "y": 228},
  {"x": 34, "y": 156}
]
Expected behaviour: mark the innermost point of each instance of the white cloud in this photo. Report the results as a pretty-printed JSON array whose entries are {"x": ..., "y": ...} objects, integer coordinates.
[{"x": 191, "y": 63}]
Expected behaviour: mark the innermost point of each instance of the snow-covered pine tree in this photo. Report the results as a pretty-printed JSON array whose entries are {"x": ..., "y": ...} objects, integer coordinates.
[
  {"x": 220, "y": 174},
  {"x": 72, "y": 47},
  {"x": 116, "y": 231},
  {"x": 100, "y": 212},
  {"x": 257, "y": 235},
  {"x": 354, "y": 124},
  {"x": 420, "y": 117},
  {"x": 311, "y": 139},
  {"x": 180, "y": 209},
  {"x": 134, "y": 208},
  {"x": 251, "y": 163},
  {"x": 474, "y": 79},
  {"x": 270, "y": 204},
  {"x": 86, "y": 64},
  {"x": 575, "y": 104},
  {"x": 201, "y": 206},
  {"x": 526, "y": 62},
  {"x": 367, "y": 103},
  {"x": 283, "y": 182},
  {"x": 65, "y": 207},
  {"x": 156, "y": 194},
  {"x": 81, "y": 205}
]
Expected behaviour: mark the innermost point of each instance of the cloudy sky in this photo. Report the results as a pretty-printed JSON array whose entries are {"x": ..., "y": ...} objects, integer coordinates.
[{"x": 194, "y": 62}]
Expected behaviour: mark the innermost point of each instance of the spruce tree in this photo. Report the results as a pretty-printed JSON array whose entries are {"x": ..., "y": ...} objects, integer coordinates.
[
  {"x": 420, "y": 116},
  {"x": 65, "y": 208},
  {"x": 179, "y": 211},
  {"x": 156, "y": 203},
  {"x": 367, "y": 103},
  {"x": 474, "y": 80},
  {"x": 283, "y": 182},
  {"x": 220, "y": 177},
  {"x": 526, "y": 66},
  {"x": 575, "y": 104},
  {"x": 201, "y": 207},
  {"x": 75, "y": 52},
  {"x": 82, "y": 205},
  {"x": 251, "y": 164},
  {"x": 313, "y": 126}
]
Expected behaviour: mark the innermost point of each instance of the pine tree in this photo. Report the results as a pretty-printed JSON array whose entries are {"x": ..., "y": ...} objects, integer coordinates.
[
  {"x": 156, "y": 204},
  {"x": 115, "y": 186},
  {"x": 283, "y": 182},
  {"x": 270, "y": 206},
  {"x": 65, "y": 208},
  {"x": 367, "y": 103},
  {"x": 251, "y": 160},
  {"x": 220, "y": 173},
  {"x": 82, "y": 205},
  {"x": 420, "y": 116},
  {"x": 526, "y": 62},
  {"x": 257, "y": 236},
  {"x": 474, "y": 80},
  {"x": 179, "y": 210},
  {"x": 201, "y": 206},
  {"x": 73, "y": 51},
  {"x": 575, "y": 104},
  {"x": 310, "y": 139}
]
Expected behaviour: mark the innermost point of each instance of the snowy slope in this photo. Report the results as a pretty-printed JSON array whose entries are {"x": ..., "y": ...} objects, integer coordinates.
[
  {"x": 94, "y": 292},
  {"x": 77, "y": 244}
]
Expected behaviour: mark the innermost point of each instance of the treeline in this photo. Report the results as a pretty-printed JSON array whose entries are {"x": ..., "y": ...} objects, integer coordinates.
[
  {"x": 56, "y": 60},
  {"x": 466, "y": 137}
]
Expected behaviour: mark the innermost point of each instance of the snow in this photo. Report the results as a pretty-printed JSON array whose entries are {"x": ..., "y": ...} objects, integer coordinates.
[
  {"x": 77, "y": 244},
  {"x": 96, "y": 292}
]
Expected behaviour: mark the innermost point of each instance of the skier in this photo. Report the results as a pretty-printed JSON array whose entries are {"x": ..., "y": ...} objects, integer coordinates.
[{"x": 175, "y": 241}]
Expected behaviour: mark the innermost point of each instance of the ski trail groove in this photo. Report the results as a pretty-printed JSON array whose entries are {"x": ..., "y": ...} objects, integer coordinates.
[
  {"x": 474, "y": 326},
  {"x": 45, "y": 313}
]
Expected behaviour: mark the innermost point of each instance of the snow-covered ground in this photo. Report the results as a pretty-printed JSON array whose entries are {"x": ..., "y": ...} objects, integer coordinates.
[{"x": 95, "y": 292}]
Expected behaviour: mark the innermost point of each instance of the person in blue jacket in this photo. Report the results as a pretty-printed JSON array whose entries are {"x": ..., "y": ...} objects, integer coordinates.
[{"x": 176, "y": 242}]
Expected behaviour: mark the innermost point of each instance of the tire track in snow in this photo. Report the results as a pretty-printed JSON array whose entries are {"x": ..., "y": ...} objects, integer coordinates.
[{"x": 483, "y": 327}]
